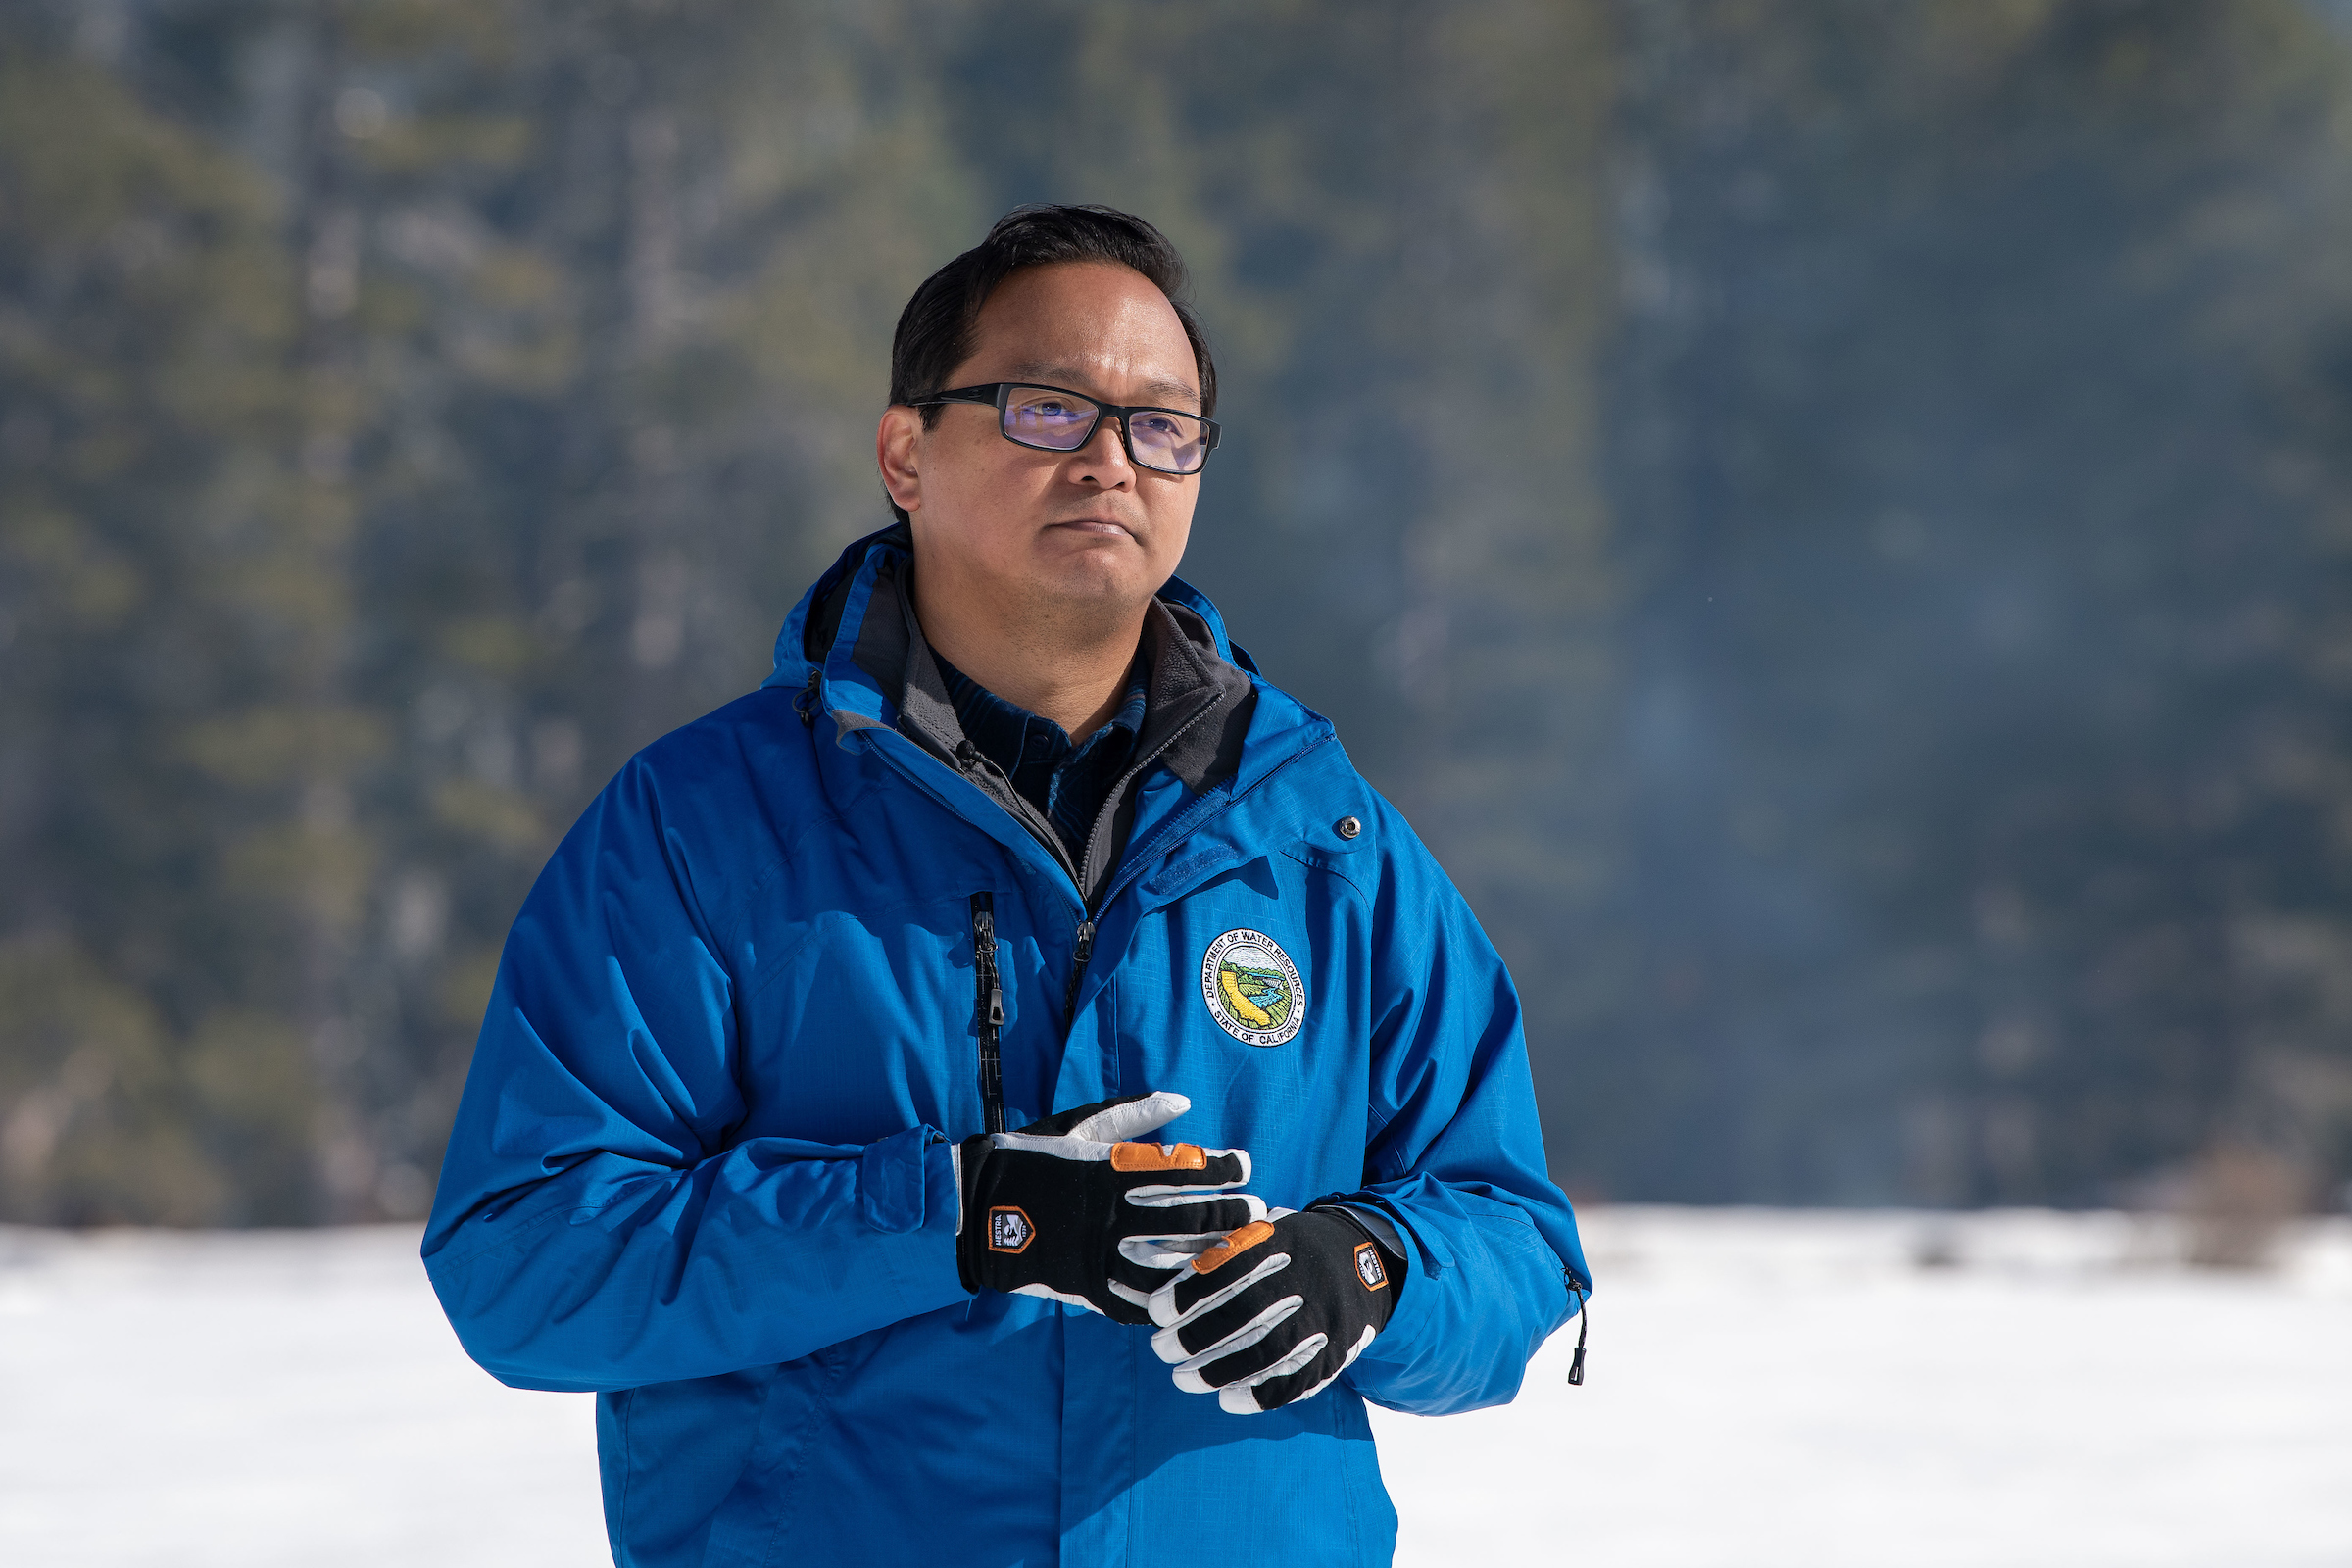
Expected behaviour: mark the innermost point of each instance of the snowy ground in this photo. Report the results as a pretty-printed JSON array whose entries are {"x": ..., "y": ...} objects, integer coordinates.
[{"x": 1765, "y": 1388}]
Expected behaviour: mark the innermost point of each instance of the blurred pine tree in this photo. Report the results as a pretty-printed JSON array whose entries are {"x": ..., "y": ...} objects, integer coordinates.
[
  {"x": 1979, "y": 446},
  {"x": 157, "y": 588},
  {"x": 1831, "y": 521}
]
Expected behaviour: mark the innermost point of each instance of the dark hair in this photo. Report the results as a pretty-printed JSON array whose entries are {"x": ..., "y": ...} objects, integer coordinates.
[{"x": 935, "y": 330}]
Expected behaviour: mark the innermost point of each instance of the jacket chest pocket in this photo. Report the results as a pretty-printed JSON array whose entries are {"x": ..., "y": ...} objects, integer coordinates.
[{"x": 863, "y": 1025}]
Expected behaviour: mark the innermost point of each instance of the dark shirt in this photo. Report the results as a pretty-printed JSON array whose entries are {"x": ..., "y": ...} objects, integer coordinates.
[{"x": 1067, "y": 780}]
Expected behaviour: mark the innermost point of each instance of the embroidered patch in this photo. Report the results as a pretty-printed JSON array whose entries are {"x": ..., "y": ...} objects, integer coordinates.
[
  {"x": 1008, "y": 1230},
  {"x": 1367, "y": 1267},
  {"x": 1252, "y": 988}
]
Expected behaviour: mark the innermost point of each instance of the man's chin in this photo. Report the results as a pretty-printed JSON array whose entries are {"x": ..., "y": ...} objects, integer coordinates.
[
  {"x": 1068, "y": 551},
  {"x": 1092, "y": 587}
]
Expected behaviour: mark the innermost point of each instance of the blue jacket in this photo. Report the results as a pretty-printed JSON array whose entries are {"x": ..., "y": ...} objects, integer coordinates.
[{"x": 702, "y": 1167}]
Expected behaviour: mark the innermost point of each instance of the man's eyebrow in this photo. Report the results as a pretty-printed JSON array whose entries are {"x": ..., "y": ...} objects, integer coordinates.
[{"x": 1061, "y": 375}]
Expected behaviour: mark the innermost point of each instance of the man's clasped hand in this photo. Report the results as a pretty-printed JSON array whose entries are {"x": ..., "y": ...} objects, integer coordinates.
[{"x": 1260, "y": 1306}]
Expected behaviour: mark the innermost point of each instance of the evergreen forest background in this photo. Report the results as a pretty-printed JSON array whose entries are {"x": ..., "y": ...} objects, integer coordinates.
[{"x": 1835, "y": 520}]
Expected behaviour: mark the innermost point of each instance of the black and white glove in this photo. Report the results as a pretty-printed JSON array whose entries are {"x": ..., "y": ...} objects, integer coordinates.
[
  {"x": 1068, "y": 1207},
  {"x": 1277, "y": 1309}
]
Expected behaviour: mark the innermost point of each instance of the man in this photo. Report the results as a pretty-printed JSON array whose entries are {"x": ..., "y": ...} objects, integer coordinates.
[{"x": 808, "y": 1125}]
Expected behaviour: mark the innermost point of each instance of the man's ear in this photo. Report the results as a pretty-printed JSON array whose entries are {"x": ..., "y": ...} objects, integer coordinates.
[{"x": 894, "y": 445}]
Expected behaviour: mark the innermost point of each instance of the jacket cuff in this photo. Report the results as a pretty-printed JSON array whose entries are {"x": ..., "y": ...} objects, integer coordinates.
[
  {"x": 1381, "y": 1232},
  {"x": 907, "y": 1191},
  {"x": 1383, "y": 1229}
]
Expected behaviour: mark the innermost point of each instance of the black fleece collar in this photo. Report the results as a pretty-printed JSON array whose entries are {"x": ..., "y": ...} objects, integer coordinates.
[{"x": 1203, "y": 743}]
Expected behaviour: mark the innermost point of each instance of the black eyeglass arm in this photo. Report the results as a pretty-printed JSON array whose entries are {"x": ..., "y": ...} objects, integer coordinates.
[{"x": 988, "y": 395}]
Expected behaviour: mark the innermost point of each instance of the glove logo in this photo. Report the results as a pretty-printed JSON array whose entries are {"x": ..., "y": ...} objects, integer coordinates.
[
  {"x": 1367, "y": 1267},
  {"x": 1009, "y": 1229},
  {"x": 1252, "y": 988}
]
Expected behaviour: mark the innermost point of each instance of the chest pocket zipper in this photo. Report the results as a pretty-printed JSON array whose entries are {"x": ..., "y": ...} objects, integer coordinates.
[
  {"x": 988, "y": 1002},
  {"x": 988, "y": 1009}
]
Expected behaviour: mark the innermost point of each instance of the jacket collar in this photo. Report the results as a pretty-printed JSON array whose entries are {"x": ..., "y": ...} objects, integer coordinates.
[{"x": 857, "y": 624}]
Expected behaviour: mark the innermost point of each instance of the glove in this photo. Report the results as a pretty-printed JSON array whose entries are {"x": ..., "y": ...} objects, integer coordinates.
[
  {"x": 1278, "y": 1309},
  {"x": 1066, "y": 1208}
]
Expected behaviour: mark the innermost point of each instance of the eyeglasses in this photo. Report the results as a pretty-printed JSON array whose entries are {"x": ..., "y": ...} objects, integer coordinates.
[{"x": 1052, "y": 419}]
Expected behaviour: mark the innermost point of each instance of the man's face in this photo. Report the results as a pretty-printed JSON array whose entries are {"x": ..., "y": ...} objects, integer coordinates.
[{"x": 1083, "y": 535}]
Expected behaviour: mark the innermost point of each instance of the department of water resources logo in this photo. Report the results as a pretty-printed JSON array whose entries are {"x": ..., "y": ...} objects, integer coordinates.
[{"x": 1252, "y": 988}]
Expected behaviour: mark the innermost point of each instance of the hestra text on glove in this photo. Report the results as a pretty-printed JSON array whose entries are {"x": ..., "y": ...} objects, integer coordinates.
[
  {"x": 1071, "y": 1208},
  {"x": 1276, "y": 1311}
]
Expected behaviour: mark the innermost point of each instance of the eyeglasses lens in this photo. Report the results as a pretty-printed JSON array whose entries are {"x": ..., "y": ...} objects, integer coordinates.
[
  {"x": 1174, "y": 443},
  {"x": 1040, "y": 417}
]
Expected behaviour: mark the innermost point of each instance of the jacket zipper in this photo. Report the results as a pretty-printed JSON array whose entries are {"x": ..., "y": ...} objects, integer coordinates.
[
  {"x": 988, "y": 1009},
  {"x": 1082, "y": 950},
  {"x": 970, "y": 762}
]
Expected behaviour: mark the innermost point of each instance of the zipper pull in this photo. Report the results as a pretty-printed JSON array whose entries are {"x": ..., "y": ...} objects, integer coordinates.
[
  {"x": 984, "y": 954},
  {"x": 1079, "y": 956},
  {"x": 1583, "y": 1325},
  {"x": 804, "y": 704}
]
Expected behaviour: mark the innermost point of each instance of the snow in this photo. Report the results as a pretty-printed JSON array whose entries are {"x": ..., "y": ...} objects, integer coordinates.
[
  {"x": 1769, "y": 1389},
  {"x": 1764, "y": 1387},
  {"x": 262, "y": 1399}
]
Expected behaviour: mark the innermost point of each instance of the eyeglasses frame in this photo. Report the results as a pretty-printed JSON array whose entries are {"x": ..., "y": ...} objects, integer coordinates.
[{"x": 996, "y": 394}]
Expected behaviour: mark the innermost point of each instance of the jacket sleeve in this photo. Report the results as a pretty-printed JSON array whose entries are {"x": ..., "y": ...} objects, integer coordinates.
[
  {"x": 594, "y": 1226},
  {"x": 1455, "y": 1155}
]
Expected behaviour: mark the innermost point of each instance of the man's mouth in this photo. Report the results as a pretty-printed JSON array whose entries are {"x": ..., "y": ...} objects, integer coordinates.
[{"x": 1097, "y": 525}]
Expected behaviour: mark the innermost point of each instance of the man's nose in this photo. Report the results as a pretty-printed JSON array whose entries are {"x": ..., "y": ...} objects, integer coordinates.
[{"x": 1102, "y": 460}]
